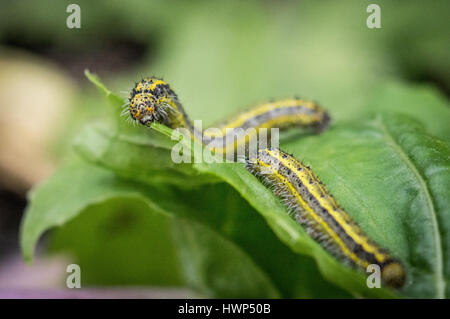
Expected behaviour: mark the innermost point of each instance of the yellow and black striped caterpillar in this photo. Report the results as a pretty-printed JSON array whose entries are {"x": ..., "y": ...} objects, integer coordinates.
[
  {"x": 299, "y": 188},
  {"x": 152, "y": 100},
  {"x": 324, "y": 220}
]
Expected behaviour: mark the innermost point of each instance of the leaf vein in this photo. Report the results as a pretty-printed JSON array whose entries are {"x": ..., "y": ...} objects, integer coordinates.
[{"x": 439, "y": 267}]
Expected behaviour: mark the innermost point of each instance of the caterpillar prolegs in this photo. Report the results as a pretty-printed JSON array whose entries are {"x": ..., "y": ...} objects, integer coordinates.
[{"x": 305, "y": 196}]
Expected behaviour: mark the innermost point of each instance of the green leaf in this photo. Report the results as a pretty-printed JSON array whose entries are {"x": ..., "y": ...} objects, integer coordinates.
[
  {"x": 120, "y": 241},
  {"x": 394, "y": 180},
  {"x": 217, "y": 267},
  {"x": 388, "y": 173},
  {"x": 67, "y": 193},
  {"x": 229, "y": 216},
  {"x": 114, "y": 99},
  {"x": 124, "y": 155},
  {"x": 116, "y": 218},
  {"x": 288, "y": 230},
  {"x": 362, "y": 191},
  {"x": 145, "y": 159}
]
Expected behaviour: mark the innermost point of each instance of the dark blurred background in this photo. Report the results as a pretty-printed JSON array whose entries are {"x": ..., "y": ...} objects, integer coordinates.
[{"x": 218, "y": 55}]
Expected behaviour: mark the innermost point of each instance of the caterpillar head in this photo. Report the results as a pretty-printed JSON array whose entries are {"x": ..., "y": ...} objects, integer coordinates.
[
  {"x": 145, "y": 102},
  {"x": 393, "y": 274},
  {"x": 143, "y": 109}
]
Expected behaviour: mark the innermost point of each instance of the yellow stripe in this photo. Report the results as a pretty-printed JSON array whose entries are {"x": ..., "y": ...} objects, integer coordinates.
[
  {"x": 242, "y": 118},
  {"x": 276, "y": 122},
  {"x": 286, "y": 119},
  {"x": 154, "y": 84}
]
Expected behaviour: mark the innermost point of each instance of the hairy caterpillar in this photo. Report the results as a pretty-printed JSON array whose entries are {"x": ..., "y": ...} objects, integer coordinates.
[
  {"x": 306, "y": 197},
  {"x": 324, "y": 220},
  {"x": 152, "y": 99}
]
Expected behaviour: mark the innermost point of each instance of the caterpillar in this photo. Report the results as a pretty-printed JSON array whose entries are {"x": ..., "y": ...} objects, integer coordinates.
[
  {"x": 314, "y": 207},
  {"x": 152, "y": 99},
  {"x": 305, "y": 196}
]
